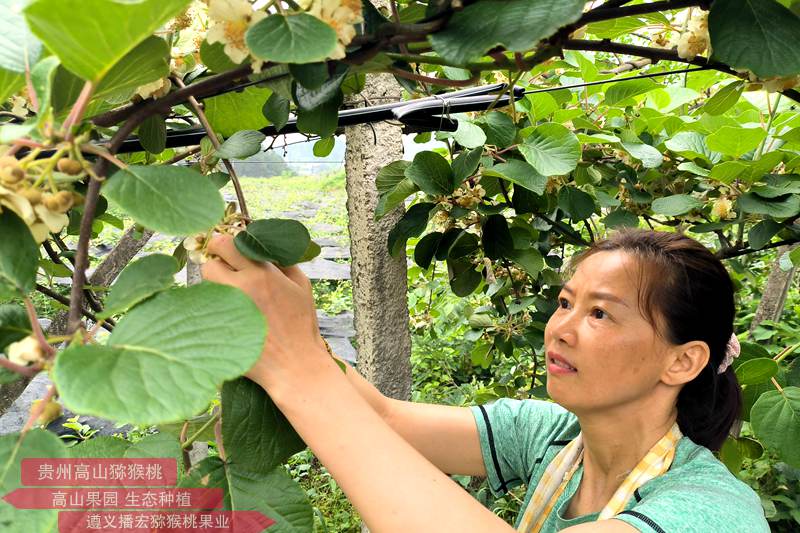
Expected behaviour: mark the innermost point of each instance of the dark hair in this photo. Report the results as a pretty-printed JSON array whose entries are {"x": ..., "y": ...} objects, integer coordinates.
[{"x": 684, "y": 287}]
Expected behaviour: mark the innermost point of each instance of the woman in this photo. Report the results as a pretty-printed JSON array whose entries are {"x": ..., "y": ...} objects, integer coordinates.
[{"x": 638, "y": 363}]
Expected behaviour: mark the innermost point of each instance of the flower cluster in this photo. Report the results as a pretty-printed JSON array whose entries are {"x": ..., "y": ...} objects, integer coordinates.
[
  {"x": 196, "y": 245},
  {"x": 469, "y": 196},
  {"x": 723, "y": 208},
  {"x": 230, "y": 21},
  {"x": 43, "y": 210},
  {"x": 341, "y": 15},
  {"x": 694, "y": 41}
]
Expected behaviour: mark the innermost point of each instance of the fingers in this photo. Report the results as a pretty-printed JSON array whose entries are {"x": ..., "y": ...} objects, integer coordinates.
[
  {"x": 222, "y": 245},
  {"x": 295, "y": 274},
  {"x": 218, "y": 271}
]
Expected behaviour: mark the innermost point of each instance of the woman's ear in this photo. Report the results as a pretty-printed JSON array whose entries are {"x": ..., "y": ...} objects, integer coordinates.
[{"x": 687, "y": 360}]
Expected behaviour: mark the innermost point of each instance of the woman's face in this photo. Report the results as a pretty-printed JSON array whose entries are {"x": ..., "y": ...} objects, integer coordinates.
[{"x": 601, "y": 352}]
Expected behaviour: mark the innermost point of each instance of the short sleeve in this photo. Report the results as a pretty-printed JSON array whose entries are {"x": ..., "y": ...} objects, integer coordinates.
[
  {"x": 514, "y": 437},
  {"x": 699, "y": 502}
]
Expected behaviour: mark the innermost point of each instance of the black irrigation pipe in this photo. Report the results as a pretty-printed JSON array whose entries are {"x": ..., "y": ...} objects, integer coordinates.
[{"x": 424, "y": 114}]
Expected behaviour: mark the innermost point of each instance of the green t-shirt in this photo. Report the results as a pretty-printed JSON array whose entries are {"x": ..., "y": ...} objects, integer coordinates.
[{"x": 519, "y": 438}]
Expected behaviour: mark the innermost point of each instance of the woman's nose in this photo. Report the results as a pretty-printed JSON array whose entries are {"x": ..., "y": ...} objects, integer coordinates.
[{"x": 561, "y": 327}]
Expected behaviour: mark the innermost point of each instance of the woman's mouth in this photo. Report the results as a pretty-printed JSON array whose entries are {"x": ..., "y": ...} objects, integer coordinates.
[{"x": 558, "y": 365}]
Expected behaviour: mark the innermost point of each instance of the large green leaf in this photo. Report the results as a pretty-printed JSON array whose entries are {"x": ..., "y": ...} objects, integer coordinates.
[
  {"x": 648, "y": 155},
  {"x": 100, "y": 447},
  {"x": 256, "y": 435},
  {"x": 148, "y": 62},
  {"x": 692, "y": 144},
  {"x": 775, "y": 419},
  {"x": 282, "y": 241},
  {"x": 517, "y": 25},
  {"x": 234, "y": 111},
  {"x": 91, "y": 36},
  {"x": 469, "y": 135},
  {"x": 465, "y": 164},
  {"x": 37, "y": 443},
  {"x": 14, "y": 325},
  {"x": 735, "y": 141},
  {"x": 412, "y": 224},
  {"x": 19, "y": 256},
  {"x": 425, "y": 250},
  {"x": 138, "y": 281},
  {"x": 500, "y": 129},
  {"x": 760, "y": 234},
  {"x": 299, "y": 38},
  {"x": 576, "y": 203},
  {"x": 755, "y": 35},
  {"x": 395, "y": 197},
  {"x": 42, "y": 75},
  {"x": 621, "y": 92},
  {"x": 241, "y": 145},
  {"x": 724, "y": 99},
  {"x": 781, "y": 207},
  {"x": 431, "y": 173},
  {"x": 519, "y": 172},
  {"x": 755, "y": 371},
  {"x": 551, "y": 149},
  {"x": 323, "y": 119},
  {"x": 496, "y": 237},
  {"x": 164, "y": 361},
  {"x": 276, "y": 110},
  {"x": 153, "y": 134},
  {"x": 10, "y": 82},
  {"x": 171, "y": 199},
  {"x": 677, "y": 204},
  {"x": 16, "y": 40},
  {"x": 529, "y": 259},
  {"x": 275, "y": 494}
]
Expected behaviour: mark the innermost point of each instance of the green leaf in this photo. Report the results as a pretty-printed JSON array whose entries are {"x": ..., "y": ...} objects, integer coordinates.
[
  {"x": 174, "y": 200},
  {"x": 551, "y": 149},
  {"x": 42, "y": 75},
  {"x": 516, "y": 25},
  {"x": 308, "y": 99},
  {"x": 311, "y": 252},
  {"x": 755, "y": 371},
  {"x": 425, "y": 250},
  {"x": 621, "y": 92},
  {"x": 694, "y": 168},
  {"x": 413, "y": 223},
  {"x": 235, "y": 111},
  {"x": 19, "y": 256},
  {"x": 158, "y": 446},
  {"x": 275, "y": 494},
  {"x": 465, "y": 243},
  {"x": 322, "y": 120},
  {"x": 520, "y": 173},
  {"x": 214, "y": 57},
  {"x": 754, "y": 36},
  {"x": 576, "y": 203},
  {"x": 37, "y": 443},
  {"x": 14, "y": 325},
  {"x": 276, "y": 110},
  {"x": 734, "y": 141},
  {"x": 691, "y": 144},
  {"x": 256, "y": 435},
  {"x": 16, "y": 40},
  {"x": 760, "y": 234},
  {"x": 677, "y": 204},
  {"x": 160, "y": 365},
  {"x": 464, "y": 279},
  {"x": 10, "y": 82},
  {"x": 218, "y": 179},
  {"x": 102, "y": 447},
  {"x": 500, "y": 129},
  {"x": 89, "y": 48},
  {"x": 621, "y": 218},
  {"x": 431, "y": 173},
  {"x": 241, "y": 145},
  {"x": 469, "y": 135},
  {"x": 781, "y": 207},
  {"x": 775, "y": 419},
  {"x": 466, "y": 164},
  {"x": 146, "y": 63},
  {"x": 282, "y": 241},
  {"x": 529, "y": 259},
  {"x": 153, "y": 134},
  {"x": 724, "y": 98},
  {"x": 299, "y": 38},
  {"x": 323, "y": 147},
  {"x": 138, "y": 281},
  {"x": 648, "y": 155},
  {"x": 794, "y": 257},
  {"x": 394, "y": 197},
  {"x": 496, "y": 237},
  {"x": 55, "y": 269},
  {"x": 391, "y": 175},
  {"x": 727, "y": 171}
]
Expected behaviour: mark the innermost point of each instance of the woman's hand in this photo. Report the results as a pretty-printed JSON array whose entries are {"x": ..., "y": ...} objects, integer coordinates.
[{"x": 284, "y": 297}]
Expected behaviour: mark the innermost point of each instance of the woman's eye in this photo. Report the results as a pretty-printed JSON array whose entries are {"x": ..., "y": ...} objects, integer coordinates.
[
  {"x": 598, "y": 313},
  {"x": 563, "y": 303}
]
